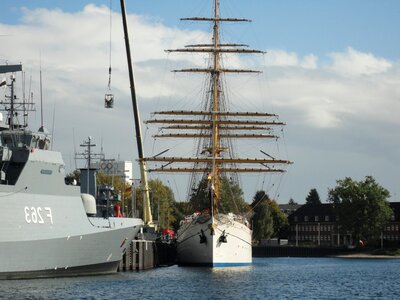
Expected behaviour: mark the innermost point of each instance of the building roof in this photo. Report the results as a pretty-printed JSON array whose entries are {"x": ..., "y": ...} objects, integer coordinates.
[
  {"x": 326, "y": 209},
  {"x": 288, "y": 209},
  {"x": 395, "y": 206},
  {"x": 313, "y": 210}
]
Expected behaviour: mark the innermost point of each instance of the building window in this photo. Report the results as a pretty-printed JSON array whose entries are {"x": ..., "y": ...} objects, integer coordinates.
[
  {"x": 296, "y": 218},
  {"x": 316, "y": 218},
  {"x": 305, "y": 218},
  {"x": 326, "y": 218},
  {"x": 393, "y": 218}
]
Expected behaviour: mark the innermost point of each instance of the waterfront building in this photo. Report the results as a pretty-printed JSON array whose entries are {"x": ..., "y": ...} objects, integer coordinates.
[
  {"x": 318, "y": 225},
  {"x": 391, "y": 232},
  {"x": 288, "y": 209},
  {"x": 113, "y": 167}
]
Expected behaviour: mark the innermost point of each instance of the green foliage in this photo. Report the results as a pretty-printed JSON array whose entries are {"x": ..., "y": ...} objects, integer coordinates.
[
  {"x": 263, "y": 224},
  {"x": 179, "y": 211},
  {"x": 362, "y": 207},
  {"x": 258, "y": 198},
  {"x": 268, "y": 220},
  {"x": 280, "y": 220},
  {"x": 162, "y": 199},
  {"x": 313, "y": 197},
  {"x": 162, "y": 203},
  {"x": 231, "y": 197},
  {"x": 121, "y": 187},
  {"x": 201, "y": 197}
]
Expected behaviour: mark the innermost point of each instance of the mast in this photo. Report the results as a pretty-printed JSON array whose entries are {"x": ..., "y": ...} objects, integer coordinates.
[
  {"x": 13, "y": 105},
  {"x": 216, "y": 127},
  {"x": 215, "y": 183},
  {"x": 41, "y": 100},
  {"x": 147, "y": 217}
]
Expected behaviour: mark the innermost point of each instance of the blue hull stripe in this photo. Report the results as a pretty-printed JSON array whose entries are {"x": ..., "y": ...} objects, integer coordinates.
[
  {"x": 214, "y": 265},
  {"x": 217, "y": 265}
]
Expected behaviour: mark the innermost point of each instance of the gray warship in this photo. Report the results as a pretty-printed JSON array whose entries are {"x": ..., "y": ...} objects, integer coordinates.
[{"x": 47, "y": 227}]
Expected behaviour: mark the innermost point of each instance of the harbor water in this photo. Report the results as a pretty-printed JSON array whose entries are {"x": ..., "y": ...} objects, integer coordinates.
[{"x": 266, "y": 278}]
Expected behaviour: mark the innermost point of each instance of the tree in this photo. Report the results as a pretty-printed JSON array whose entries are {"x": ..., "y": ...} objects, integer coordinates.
[
  {"x": 263, "y": 224},
  {"x": 280, "y": 220},
  {"x": 231, "y": 197},
  {"x": 161, "y": 201},
  {"x": 361, "y": 206},
  {"x": 268, "y": 220},
  {"x": 313, "y": 197},
  {"x": 200, "y": 199},
  {"x": 179, "y": 211},
  {"x": 292, "y": 202}
]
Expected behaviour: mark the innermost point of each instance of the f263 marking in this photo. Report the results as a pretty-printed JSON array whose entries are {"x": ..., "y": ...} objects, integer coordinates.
[{"x": 38, "y": 215}]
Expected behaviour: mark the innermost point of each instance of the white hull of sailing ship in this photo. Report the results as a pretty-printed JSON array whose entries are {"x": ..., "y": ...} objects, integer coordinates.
[{"x": 229, "y": 244}]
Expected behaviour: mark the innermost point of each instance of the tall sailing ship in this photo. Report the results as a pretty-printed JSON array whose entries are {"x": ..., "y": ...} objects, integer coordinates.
[{"x": 211, "y": 237}]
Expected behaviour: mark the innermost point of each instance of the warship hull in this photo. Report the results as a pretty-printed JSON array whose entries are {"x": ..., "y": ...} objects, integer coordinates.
[
  {"x": 45, "y": 230},
  {"x": 49, "y": 236}
]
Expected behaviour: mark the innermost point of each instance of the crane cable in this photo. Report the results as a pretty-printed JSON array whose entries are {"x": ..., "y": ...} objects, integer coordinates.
[{"x": 109, "y": 68}]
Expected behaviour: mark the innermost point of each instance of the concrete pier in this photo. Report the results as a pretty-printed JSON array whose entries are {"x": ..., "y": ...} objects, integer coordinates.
[
  {"x": 138, "y": 256},
  {"x": 143, "y": 255}
]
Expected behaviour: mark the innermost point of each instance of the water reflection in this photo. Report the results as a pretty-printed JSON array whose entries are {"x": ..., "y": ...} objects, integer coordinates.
[{"x": 272, "y": 278}]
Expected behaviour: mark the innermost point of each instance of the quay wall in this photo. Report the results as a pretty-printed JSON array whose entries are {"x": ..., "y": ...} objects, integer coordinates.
[
  {"x": 287, "y": 251},
  {"x": 142, "y": 255}
]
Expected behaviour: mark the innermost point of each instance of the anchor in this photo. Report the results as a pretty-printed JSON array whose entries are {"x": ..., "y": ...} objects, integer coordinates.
[
  {"x": 222, "y": 238},
  {"x": 203, "y": 238}
]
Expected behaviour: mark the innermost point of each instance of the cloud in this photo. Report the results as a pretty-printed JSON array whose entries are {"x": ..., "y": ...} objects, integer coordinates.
[
  {"x": 349, "y": 85},
  {"x": 280, "y": 58},
  {"x": 356, "y": 63},
  {"x": 322, "y": 101}
]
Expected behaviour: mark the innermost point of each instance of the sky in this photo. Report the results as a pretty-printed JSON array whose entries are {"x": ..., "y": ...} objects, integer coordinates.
[{"x": 331, "y": 71}]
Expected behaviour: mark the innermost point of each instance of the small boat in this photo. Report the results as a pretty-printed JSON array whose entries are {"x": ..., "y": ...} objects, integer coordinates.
[
  {"x": 47, "y": 227},
  {"x": 215, "y": 237}
]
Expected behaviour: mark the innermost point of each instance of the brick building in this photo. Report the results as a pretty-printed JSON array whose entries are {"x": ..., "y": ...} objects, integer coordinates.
[{"x": 317, "y": 225}]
